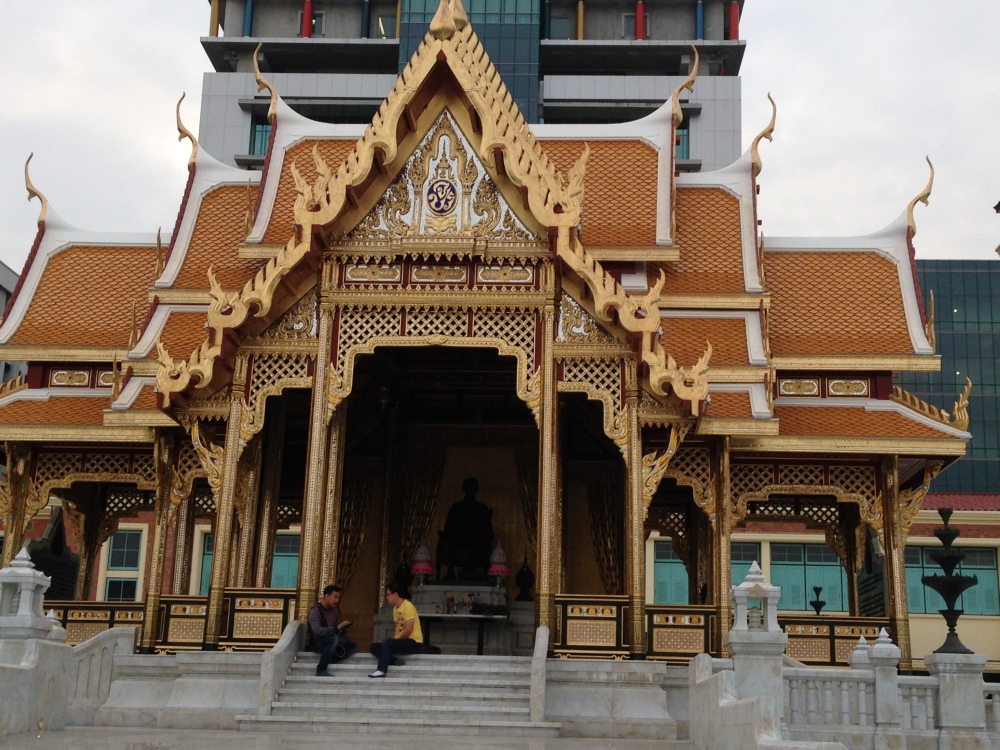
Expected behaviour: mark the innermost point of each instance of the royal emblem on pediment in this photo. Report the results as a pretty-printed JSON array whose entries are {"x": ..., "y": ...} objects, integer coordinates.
[{"x": 443, "y": 191}]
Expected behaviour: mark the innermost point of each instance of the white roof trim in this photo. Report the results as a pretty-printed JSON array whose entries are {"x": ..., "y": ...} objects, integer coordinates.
[
  {"x": 751, "y": 318},
  {"x": 60, "y": 235},
  {"x": 872, "y": 405},
  {"x": 758, "y": 396},
  {"x": 157, "y": 323},
  {"x": 44, "y": 394},
  {"x": 889, "y": 243},
  {"x": 737, "y": 178},
  {"x": 131, "y": 392},
  {"x": 209, "y": 174}
]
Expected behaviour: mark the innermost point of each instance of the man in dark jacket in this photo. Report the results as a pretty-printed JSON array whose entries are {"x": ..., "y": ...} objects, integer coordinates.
[{"x": 327, "y": 628}]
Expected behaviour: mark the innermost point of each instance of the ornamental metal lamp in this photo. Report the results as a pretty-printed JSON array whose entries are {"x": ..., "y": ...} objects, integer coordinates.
[{"x": 949, "y": 586}]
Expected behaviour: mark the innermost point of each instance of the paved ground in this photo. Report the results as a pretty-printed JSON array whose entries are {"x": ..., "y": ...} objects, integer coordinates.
[{"x": 164, "y": 739}]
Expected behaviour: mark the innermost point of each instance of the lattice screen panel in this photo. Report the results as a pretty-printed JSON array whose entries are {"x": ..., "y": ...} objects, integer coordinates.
[
  {"x": 437, "y": 321},
  {"x": 360, "y": 325},
  {"x": 750, "y": 478},
  {"x": 516, "y": 327},
  {"x": 271, "y": 369}
]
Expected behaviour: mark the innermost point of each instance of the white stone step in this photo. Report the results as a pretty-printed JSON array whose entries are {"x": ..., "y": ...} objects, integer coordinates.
[
  {"x": 398, "y": 726},
  {"x": 414, "y": 712},
  {"x": 381, "y": 692}
]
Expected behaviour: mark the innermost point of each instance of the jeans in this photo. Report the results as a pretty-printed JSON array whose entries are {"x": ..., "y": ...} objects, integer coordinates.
[
  {"x": 325, "y": 646},
  {"x": 386, "y": 650}
]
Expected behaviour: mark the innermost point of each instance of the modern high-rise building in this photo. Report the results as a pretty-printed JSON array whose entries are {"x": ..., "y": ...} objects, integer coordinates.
[
  {"x": 8, "y": 280},
  {"x": 564, "y": 61}
]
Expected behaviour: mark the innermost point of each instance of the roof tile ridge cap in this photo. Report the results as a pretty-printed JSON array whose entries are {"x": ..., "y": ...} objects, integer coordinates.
[
  {"x": 181, "y": 211},
  {"x": 29, "y": 261}
]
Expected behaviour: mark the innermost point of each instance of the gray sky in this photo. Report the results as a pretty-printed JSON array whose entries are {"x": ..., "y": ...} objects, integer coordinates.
[{"x": 865, "y": 89}]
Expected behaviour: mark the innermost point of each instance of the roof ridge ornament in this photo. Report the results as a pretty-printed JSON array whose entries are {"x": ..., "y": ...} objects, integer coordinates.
[
  {"x": 34, "y": 192},
  {"x": 443, "y": 24},
  {"x": 768, "y": 133},
  {"x": 922, "y": 197},
  {"x": 159, "y": 253},
  {"x": 183, "y": 132},
  {"x": 675, "y": 98},
  {"x": 263, "y": 83}
]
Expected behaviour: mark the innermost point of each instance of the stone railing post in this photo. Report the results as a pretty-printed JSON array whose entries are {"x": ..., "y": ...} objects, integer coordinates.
[
  {"x": 884, "y": 656},
  {"x": 758, "y": 652},
  {"x": 961, "y": 709}
]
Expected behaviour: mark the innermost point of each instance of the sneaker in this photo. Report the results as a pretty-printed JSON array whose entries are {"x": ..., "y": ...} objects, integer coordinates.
[
  {"x": 323, "y": 673},
  {"x": 377, "y": 673}
]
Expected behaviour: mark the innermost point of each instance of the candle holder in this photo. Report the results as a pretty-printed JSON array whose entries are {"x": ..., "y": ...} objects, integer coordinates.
[{"x": 949, "y": 586}]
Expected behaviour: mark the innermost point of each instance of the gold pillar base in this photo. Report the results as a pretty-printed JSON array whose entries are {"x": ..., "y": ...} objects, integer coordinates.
[{"x": 545, "y": 615}]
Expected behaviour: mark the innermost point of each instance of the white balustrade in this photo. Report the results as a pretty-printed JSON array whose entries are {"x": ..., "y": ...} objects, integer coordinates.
[
  {"x": 991, "y": 693},
  {"x": 829, "y": 697},
  {"x": 917, "y": 698}
]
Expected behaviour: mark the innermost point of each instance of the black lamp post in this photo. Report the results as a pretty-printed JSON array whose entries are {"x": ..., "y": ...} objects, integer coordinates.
[{"x": 950, "y": 586}]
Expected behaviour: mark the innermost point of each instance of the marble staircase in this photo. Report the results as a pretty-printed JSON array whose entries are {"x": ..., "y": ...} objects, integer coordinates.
[{"x": 431, "y": 694}]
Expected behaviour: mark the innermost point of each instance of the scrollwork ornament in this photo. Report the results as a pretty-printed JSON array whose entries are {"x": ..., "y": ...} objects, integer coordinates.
[
  {"x": 654, "y": 466},
  {"x": 211, "y": 456},
  {"x": 910, "y": 500}
]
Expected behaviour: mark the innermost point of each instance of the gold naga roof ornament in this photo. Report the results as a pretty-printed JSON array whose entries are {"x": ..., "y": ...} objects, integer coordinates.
[
  {"x": 34, "y": 192},
  {"x": 688, "y": 84},
  {"x": 768, "y": 133},
  {"x": 449, "y": 18},
  {"x": 183, "y": 132},
  {"x": 929, "y": 331},
  {"x": 263, "y": 83},
  {"x": 922, "y": 197}
]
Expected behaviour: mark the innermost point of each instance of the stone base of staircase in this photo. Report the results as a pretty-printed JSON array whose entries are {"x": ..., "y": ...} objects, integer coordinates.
[{"x": 431, "y": 694}]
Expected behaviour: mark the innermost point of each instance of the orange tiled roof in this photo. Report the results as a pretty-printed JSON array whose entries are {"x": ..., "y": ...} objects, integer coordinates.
[
  {"x": 147, "y": 399},
  {"x": 66, "y": 410},
  {"x": 846, "y": 421},
  {"x": 279, "y": 229},
  {"x": 85, "y": 296},
  {"x": 619, "y": 198},
  {"x": 711, "y": 247},
  {"x": 183, "y": 333},
  {"x": 729, "y": 406},
  {"x": 835, "y": 303},
  {"x": 684, "y": 339},
  {"x": 218, "y": 232}
]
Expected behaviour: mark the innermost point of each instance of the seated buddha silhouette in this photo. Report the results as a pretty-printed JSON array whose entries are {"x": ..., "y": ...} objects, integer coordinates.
[{"x": 467, "y": 539}]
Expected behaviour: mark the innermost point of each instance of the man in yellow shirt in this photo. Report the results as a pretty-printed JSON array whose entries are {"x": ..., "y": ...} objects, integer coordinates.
[{"x": 408, "y": 637}]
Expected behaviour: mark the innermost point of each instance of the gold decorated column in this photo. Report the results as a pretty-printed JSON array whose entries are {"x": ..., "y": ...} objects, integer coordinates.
[
  {"x": 721, "y": 551},
  {"x": 270, "y": 489},
  {"x": 163, "y": 459},
  {"x": 895, "y": 565},
  {"x": 309, "y": 585},
  {"x": 249, "y": 480},
  {"x": 635, "y": 537},
  {"x": 334, "y": 488},
  {"x": 183, "y": 543},
  {"x": 550, "y": 558},
  {"x": 14, "y": 498},
  {"x": 224, "y": 507}
]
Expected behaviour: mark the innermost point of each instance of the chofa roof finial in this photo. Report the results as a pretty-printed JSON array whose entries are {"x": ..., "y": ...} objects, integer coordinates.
[
  {"x": 767, "y": 132},
  {"x": 688, "y": 84},
  {"x": 183, "y": 132},
  {"x": 443, "y": 23},
  {"x": 33, "y": 192},
  {"x": 263, "y": 83},
  {"x": 923, "y": 197}
]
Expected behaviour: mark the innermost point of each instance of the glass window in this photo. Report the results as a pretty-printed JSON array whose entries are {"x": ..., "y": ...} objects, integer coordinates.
[
  {"x": 124, "y": 550},
  {"x": 385, "y": 27},
  {"x": 285, "y": 564},
  {"x": 628, "y": 25},
  {"x": 317, "y": 24},
  {"x": 801, "y": 568},
  {"x": 260, "y": 134},
  {"x": 120, "y": 589},
  {"x": 670, "y": 578},
  {"x": 206, "y": 565},
  {"x": 560, "y": 28},
  {"x": 981, "y": 599},
  {"x": 742, "y": 556}
]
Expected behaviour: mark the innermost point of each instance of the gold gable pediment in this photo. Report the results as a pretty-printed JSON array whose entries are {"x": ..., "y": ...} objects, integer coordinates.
[{"x": 443, "y": 196}]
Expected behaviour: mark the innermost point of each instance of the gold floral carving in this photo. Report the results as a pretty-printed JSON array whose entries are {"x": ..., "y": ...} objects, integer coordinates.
[
  {"x": 369, "y": 272},
  {"x": 70, "y": 378},
  {"x": 517, "y": 274},
  {"x": 768, "y": 133},
  {"x": 922, "y": 197},
  {"x": 654, "y": 466},
  {"x": 439, "y": 274},
  {"x": 848, "y": 387},
  {"x": 211, "y": 455},
  {"x": 298, "y": 323},
  {"x": 799, "y": 387},
  {"x": 959, "y": 421},
  {"x": 576, "y": 324},
  {"x": 910, "y": 500},
  {"x": 34, "y": 192}
]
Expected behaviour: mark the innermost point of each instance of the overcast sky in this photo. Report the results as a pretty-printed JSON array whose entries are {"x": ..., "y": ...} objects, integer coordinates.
[{"x": 865, "y": 89}]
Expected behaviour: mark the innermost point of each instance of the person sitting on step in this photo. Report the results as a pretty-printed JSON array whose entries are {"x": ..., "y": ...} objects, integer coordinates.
[
  {"x": 408, "y": 638},
  {"x": 328, "y": 631}
]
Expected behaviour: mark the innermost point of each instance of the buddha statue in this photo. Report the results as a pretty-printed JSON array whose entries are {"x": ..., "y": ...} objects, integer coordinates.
[{"x": 467, "y": 539}]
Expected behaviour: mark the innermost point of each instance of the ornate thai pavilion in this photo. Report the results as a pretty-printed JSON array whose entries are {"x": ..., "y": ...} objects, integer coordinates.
[{"x": 332, "y": 345}]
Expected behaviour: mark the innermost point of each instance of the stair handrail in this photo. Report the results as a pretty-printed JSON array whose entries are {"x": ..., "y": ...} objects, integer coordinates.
[
  {"x": 276, "y": 663},
  {"x": 536, "y": 704}
]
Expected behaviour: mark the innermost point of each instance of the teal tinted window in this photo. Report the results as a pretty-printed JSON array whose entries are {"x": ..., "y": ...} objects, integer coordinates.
[
  {"x": 206, "y": 565},
  {"x": 124, "y": 550},
  {"x": 285, "y": 565},
  {"x": 981, "y": 599},
  {"x": 742, "y": 556},
  {"x": 670, "y": 577},
  {"x": 120, "y": 589},
  {"x": 799, "y": 568}
]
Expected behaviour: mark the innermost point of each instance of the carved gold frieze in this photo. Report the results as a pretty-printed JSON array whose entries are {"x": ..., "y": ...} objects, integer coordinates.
[
  {"x": 513, "y": 274},
  {"x": 591, "y": 610},
  {"x": 439, "y": 274},
  {"x": 374, "y": 273},
  {"x": 70, "y": 378},
  {"x": 576, "y": 324},
  {"x": 798, "y": 386},
  {"x": 13, "y": 386},
  {"x": 107, "y": 378},
  {"x": 840, "y": 387}
]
